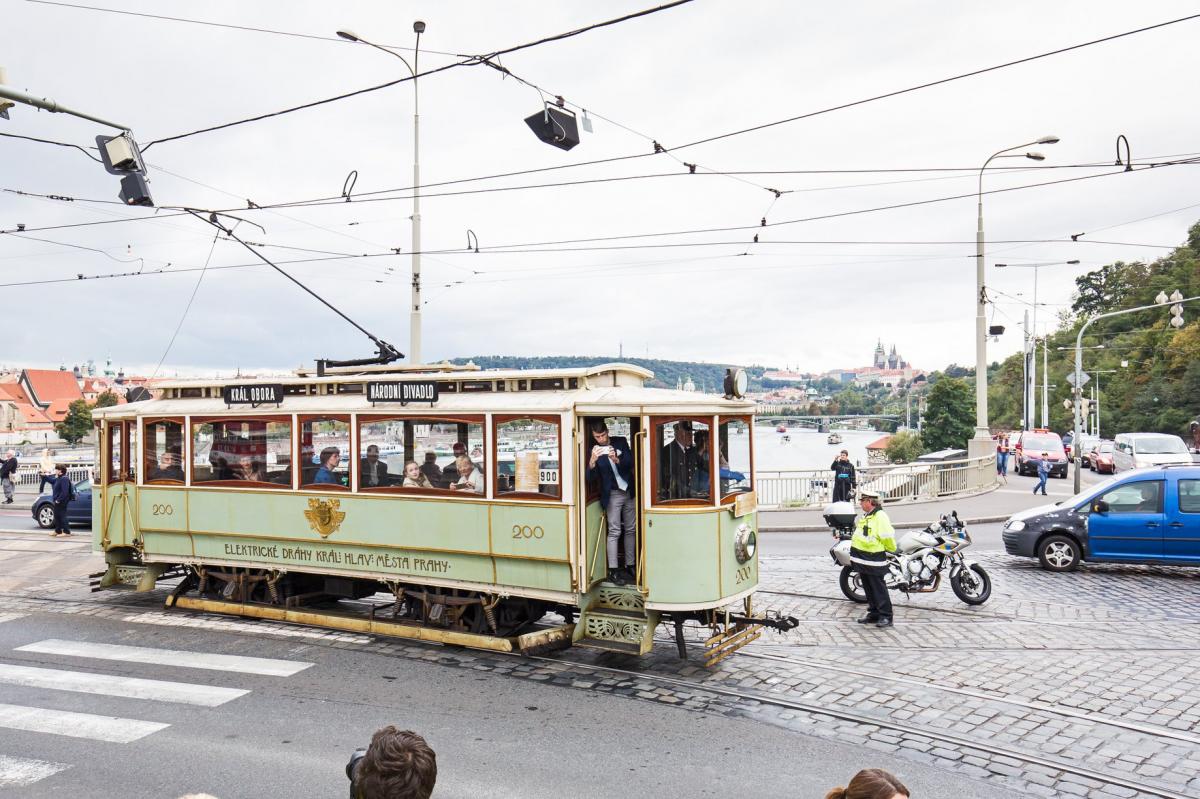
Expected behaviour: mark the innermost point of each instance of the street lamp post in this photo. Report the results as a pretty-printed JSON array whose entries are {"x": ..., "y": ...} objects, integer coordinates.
[
  {"x": 1176, "y": 300},
  {"x": 982, "y": 436},
  {"x": 1032, "y": 389},
  {"x": 414, "y": 345}
]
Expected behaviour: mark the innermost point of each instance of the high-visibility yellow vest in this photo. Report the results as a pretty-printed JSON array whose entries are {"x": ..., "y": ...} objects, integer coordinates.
[{"x": 874, "y": 533}]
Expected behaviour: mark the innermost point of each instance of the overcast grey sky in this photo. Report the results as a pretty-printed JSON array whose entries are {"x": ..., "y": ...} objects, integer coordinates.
[{"x": 684, "y": 74}]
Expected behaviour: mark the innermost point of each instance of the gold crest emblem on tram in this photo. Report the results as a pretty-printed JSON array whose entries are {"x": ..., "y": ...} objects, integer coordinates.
[{"x": 324, "y": 517}]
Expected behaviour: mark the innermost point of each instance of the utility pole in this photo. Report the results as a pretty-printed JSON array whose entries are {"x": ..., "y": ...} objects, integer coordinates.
[
  {"x": 1046, "y": 383},
  {"x": 1026, "y": 412}
]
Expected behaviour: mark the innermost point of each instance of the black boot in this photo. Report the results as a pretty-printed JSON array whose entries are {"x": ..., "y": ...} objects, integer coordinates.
[
  {"x": 630, "y": 574},
  {"x": 870, "y": 618},
  {"x": 616, "y": 577},
  {"x": 884, "y": 621}
]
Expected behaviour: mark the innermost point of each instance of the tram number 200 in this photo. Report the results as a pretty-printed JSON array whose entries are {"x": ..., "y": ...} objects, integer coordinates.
[
  {"x": 525, "y": 531},
  {"x": 162, "y": 510}
]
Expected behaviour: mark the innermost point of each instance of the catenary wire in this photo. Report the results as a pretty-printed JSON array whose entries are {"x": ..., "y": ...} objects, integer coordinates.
[
  {"x": 50, "y": 141},
  {"x": 183, "y": 317},
  {"x": 469, "y": 61}
]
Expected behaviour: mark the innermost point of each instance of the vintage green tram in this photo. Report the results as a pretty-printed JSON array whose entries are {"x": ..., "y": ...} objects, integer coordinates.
[{"x": 283, "y": 498}]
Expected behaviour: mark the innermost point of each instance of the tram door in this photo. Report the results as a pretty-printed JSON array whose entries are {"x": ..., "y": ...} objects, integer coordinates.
[
  {"x": 595, "y": 517},
  {"x": 116, "y": 470}
]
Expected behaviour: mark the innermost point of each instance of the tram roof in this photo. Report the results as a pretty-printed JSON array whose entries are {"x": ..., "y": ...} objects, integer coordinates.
[{"x": 608, "y": 389}]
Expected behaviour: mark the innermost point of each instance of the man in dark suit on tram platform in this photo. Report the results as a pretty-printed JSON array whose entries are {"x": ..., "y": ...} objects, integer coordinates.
[{"x": 611, "y": 465}]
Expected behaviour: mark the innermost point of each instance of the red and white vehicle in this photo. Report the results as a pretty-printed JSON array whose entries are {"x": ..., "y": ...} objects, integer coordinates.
[{"x": 1030, "y": 445}]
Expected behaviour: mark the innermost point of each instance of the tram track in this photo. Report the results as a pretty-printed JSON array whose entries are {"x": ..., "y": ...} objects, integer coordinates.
[{"x": 961, "y": 741}]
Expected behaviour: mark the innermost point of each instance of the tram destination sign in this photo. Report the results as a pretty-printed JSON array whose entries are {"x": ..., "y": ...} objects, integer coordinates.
[
  {"x": 403, "y": 391},
  {"x": 253, "y": 394}
]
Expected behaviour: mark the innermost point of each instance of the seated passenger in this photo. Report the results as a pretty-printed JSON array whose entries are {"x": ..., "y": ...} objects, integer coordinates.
[
  {"x": 250, "y": 470},
  {"x": 372, "y": 472},
  {"x": 330, "y": 458},
  {"x": 450, "y": 473},
  {"x": 414, "y": 478},
  {"x": 432, "y": 471},
  {"x": 470, "y": 477},
  {"x": 168, "y": 466}
]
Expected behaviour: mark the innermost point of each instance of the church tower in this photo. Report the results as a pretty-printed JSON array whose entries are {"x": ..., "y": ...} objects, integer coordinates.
[
  {"x": 893, "y": 359},
  {"x": 880, "y": 360}
]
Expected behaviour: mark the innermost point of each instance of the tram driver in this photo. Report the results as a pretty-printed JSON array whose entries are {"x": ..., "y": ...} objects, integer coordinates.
[{"x": 678, "y": 464}]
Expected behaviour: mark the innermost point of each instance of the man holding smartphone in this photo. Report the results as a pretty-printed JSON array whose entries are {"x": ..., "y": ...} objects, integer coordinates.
[{"x": 611, "y": 463}]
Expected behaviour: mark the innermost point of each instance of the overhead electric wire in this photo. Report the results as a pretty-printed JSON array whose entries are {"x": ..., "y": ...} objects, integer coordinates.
[
  {"x": 468, "y": 61},
  {"x": 188, "y": 307},
  {"x": 51, "y": 141},
  {"x": 231, "y": 26}
]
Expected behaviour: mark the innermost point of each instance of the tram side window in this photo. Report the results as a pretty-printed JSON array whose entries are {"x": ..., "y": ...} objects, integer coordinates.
[
  {"x": 733, "y": 457},
  {"x": 325, "y": 453},
  {"x": 131, "y": 451},
  {"x": 164, "y": 452},
  {"x": 243, "y": 450},
  {"x": 114, "y": 452},
  {"x": 527, "y": 457},
  {"x": 422, "y": 454},
  {"x": 684, "y": 460}
]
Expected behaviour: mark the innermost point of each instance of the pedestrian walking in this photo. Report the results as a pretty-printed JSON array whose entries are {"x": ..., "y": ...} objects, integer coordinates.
[
  {"x": 46, "y": 470},
  {"x": 1002, "y": 452},
  {"x": 1043, "y": 472},
  {"x": 873, "y": 538},
  {"x": 64, "y": 492},
  {"x": 843, "y": 477},
  {"x": 8, "y": 475}
]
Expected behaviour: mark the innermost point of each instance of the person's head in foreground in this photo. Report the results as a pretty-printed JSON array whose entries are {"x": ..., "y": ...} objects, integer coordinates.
[
  {"x": 397, "y": 765},
  {"x": 871, "y": 783}
]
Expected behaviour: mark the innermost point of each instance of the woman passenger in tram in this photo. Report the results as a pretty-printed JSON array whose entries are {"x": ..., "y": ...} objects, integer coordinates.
[
  {"x": 330, "y": 458},
  {"x": 414, "y": 478}
]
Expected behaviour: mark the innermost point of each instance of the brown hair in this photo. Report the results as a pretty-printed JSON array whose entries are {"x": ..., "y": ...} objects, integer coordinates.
[
  {"x": 398, "y": 765},
  {"x": 870, "y": 783}
]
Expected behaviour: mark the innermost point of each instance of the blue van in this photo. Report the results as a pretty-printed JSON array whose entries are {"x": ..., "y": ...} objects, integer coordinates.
[{"x": 1149, "y": 515}]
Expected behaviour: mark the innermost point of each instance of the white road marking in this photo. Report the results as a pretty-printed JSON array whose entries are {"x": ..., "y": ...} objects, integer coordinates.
[
  {"x": 168, "y": 657},
  {"x": 17, "y": 772},
  {"x": 114, "y": 685},
  {"x": 76, "y": 725}
]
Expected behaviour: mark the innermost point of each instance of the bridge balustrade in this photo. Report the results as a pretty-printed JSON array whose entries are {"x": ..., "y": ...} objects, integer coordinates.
[{"x": 897, "y": 483}]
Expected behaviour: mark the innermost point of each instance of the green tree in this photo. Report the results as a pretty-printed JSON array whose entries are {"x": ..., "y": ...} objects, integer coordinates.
[
  {"x": 949, "y": 415},
  {"x": 904, "y": 447},
  {"x": 106, "y": 400},
  {"x": 76, "y": 424}
]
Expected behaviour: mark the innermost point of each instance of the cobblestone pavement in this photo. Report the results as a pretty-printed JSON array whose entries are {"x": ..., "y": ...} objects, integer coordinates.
[{"x": 1079, "y": 684}]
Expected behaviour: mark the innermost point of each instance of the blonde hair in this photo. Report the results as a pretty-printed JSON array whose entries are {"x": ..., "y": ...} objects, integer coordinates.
[{"x": 870, "y": 783}]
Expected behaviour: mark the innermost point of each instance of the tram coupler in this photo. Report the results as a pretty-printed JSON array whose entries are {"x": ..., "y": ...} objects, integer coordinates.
[{"x": 771, "y": 618}]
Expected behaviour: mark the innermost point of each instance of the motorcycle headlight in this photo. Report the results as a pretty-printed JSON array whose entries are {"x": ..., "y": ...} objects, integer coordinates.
[
  {"x": 1016, "y": 526},
  {"x": 745, "y": 542}
]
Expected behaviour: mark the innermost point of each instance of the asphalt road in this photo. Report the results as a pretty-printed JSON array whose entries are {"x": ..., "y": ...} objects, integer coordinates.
[{"x": 291, "y": 734}]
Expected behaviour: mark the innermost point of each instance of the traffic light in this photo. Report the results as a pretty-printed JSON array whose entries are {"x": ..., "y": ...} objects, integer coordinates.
[{"x": 122, "y": 157}]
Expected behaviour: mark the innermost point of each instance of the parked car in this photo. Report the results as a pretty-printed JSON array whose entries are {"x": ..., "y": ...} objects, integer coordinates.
[
  {"x": 1149, "y": 515},
  {"x": 79, "y": 510},
  {"x": 1135, "y": 450},
  {"x": 1100, "y": 459},
  {"x": 1030, "y": 445}
]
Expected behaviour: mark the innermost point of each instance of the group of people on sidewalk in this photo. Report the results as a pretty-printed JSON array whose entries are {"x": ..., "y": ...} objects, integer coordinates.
[
  {"x": 1003, "y": 451},
  {"x": 62, "y": 489}
]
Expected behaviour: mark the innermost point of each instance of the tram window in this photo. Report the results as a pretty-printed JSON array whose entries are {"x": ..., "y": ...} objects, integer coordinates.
[
  {"x": 684, "y": 459},
  {"x": 527, "y": 457},
  {"x": 164, "y": 451},
  {"x": 733, "y": 457},
  {"x": 131, "y": 451},
  {"x": 242, "y": 450},
  {"x": 433, "y": 444},
  {"x": 324, "y": 452},
  {"x": 114, "y": 452}
]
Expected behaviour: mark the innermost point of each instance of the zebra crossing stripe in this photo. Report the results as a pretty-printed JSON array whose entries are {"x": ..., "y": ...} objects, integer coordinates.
[
  {"x": 168, "y": 657},
  {"x": 17, "y": 772},
  {"x": 76, "y": 725},
  {"x": 115, "y": 685},
  {"x": 10, "y": 617}
]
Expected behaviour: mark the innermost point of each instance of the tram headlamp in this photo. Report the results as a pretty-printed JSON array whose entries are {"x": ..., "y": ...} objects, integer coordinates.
[{"x": 745, "y": 542}]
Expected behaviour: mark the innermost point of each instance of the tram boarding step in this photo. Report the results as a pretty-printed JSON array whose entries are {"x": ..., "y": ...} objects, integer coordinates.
[{"x": 610, "y": 646}]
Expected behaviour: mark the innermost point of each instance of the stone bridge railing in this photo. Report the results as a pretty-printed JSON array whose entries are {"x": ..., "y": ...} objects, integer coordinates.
[{"x": 898, "y": 484}]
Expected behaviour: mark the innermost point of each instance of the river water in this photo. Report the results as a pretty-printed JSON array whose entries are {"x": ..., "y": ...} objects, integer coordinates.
[{"x": 806, "y": 449}]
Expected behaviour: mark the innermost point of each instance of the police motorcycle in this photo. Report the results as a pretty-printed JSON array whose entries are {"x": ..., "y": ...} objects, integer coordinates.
[{"x": 920, "y": 558}]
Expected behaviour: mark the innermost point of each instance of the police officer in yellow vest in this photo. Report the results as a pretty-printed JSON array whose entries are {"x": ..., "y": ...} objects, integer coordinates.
[{"x": 873, "y": 538}]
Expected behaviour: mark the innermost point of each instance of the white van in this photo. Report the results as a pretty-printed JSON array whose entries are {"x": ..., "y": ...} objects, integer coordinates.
[{"x": 1135, "y": 450}]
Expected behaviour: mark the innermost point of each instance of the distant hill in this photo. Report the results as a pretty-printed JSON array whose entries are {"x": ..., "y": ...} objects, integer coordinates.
[{"x": 667, "y": 374}]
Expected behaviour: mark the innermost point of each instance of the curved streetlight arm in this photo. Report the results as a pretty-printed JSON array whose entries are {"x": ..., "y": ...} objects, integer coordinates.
[
  {"x": 1079, "y": 364},
  {"x": 361, "y": 40}
]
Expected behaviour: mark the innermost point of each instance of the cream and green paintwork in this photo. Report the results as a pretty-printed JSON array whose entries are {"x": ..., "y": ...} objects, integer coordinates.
[{"x": 537, "y": 548}]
